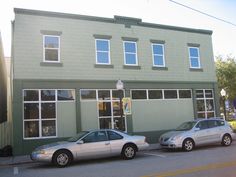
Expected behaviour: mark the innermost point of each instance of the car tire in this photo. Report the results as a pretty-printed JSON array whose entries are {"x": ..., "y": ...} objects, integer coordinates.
[
  {"x": 62, "y": 158},
  {"x": 188, "y": 145},
  {"x": 128, "y": 152},
  {"x": 226, "y": 140}
]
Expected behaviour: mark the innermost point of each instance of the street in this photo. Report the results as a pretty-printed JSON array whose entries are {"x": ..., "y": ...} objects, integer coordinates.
[{"x": 211, "y": 161}]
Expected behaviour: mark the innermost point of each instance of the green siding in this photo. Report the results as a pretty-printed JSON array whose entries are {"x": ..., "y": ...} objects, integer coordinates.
[
  {"x": 78, "y": 51},
  {"x": 89, "y": 115},
  {"x": 66, "y": 119},
  {"x": 151, "y": 115}
]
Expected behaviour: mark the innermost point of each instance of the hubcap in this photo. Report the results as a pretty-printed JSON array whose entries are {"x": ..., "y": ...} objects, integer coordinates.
[
  {"x": 62, "y": 159},
  {"x": 227, "y": 140},
  {"x": 188, "y": 145},
  {"x": 129, "y": 152}
]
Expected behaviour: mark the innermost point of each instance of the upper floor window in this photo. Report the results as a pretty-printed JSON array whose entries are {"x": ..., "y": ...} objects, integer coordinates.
[
  {"x": 130, "y": 53},
  {"x": 194, "y": 57},
  {"x": 102, "y": 51},
  {"x": 158, "y": 55},
  {"x": 51, "y": 46}
]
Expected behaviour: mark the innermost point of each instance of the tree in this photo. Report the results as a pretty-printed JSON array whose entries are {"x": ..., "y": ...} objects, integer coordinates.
[{"x": 226, "y": 75}]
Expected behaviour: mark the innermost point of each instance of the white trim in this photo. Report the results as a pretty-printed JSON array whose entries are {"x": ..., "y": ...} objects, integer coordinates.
[
  {"x": 109, "y": 55},
  {"x": 44, "y": 48},
  {"x": 136, "y": 53},
  {"x": 163, "y": 55},
  {"x": 198, "y": 58}
]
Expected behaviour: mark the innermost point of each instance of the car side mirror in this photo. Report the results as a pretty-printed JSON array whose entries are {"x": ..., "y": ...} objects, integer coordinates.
[
  {"x": 80, "y": 142},
  {"x": 196, "y": 129}
]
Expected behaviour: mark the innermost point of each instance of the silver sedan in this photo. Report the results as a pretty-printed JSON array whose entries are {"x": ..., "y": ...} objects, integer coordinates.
[
  {"x": 90, "y": 144},
  {"x": 196, "y": 133}
]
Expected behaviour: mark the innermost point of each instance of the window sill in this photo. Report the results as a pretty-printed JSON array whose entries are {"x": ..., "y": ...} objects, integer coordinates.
[
  {"x": 51, "y": 64},
  {"x": 131, "y": 67},
  {"x": 103, "y": 66},
  {"x": 196, "y": 69},
  {"x": 159, "y": 68}
]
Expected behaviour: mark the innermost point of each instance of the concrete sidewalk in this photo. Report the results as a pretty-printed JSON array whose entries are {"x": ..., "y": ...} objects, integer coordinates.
[{"x": 24, "y": 159}]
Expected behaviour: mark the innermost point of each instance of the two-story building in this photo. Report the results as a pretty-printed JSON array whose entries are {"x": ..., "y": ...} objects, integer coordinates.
[{"x": 66, "y": 66}]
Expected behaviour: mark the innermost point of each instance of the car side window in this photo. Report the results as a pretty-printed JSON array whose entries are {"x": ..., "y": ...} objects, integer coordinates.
[
  {"x": 114, "y": 136},
  {"x": 202, "y": 125},
  {"x": 95, "y": 137},
  {"x": 212, "y": 123}
]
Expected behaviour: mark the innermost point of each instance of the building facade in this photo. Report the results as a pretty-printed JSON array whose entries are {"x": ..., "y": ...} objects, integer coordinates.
[{"x": 66, "y": 68}]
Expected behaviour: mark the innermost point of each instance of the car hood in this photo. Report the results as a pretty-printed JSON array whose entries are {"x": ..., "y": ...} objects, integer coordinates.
[
  {"x": 52, "y": 145},
  {"x": 172, "y": 134}
]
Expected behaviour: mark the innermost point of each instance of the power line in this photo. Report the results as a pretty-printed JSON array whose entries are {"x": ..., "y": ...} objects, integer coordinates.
[{"x": 203, "y": 13}]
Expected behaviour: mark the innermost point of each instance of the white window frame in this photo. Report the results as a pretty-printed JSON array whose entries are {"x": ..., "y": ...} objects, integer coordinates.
[
  {"x": 58, "y": 49},
  {"x": 109, "y": 54},
  {"x": 198, "y": 58},
  {"x": 205, "y": 105},
  {"x": 153, "y": 55},
  {"x": 136, "y": 53}
]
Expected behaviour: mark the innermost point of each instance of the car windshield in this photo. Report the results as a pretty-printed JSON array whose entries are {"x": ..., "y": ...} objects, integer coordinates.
[
  {"x": 186, "y": 126},
  {"x": 77, "y": 137}
]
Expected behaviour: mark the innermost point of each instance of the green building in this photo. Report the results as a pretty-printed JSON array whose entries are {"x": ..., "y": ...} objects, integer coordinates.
[{"x": 66, "y": 66}]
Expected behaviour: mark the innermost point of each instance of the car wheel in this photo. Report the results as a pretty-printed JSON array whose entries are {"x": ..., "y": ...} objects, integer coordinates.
[
  {"x": 62, "y": 158},
  {"x": 226, "y": 140},
  {"x": 128, "y": 152},
  {"x": 188, "y": 145}
]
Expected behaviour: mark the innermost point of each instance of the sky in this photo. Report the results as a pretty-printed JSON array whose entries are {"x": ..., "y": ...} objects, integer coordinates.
[{"x": 153, "y": 11}]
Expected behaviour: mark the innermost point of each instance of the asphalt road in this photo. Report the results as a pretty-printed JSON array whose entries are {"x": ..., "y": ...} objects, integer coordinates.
[{"x": 211, "y": 161}]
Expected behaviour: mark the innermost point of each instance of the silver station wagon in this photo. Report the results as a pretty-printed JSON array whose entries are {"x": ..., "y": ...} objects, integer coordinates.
[
  {"x": 90, "y": 144},
  {"x": 196, "y": 133}
]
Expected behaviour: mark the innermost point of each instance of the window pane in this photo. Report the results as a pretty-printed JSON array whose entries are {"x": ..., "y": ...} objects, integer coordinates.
[
  {"x": 158, "y": 49},
  {"x": 210, "y": 114},
  {"x": 47, "y": 95},
  {"x": 130, "y": 47},
  {"x": 31, "y": 95},
  {"x": 103, "y": 57},
  {"x": 88, "y": 94},
  {"x": 49, "y": 128},
  {"x": 200, "y": 105},
  {"x": 212, "y": 124},
  {"x": 170, "y": 94},
  {"x": 208, "y": 94},
  {"x": 155, "y": 94},
  {"x": 114, "y": 136},
  {"x": 51, "y": 41},
  {"x": 31, "y": 110},
  {"x": 31, "y": 129},
  {"x": 193, "y": 52},
  {"x": 116, "y": 108},
  {"x": 104, "y": 109},
  {"x": 119, "y": 123},
  {"x": 139, "y": 94},
  {"x": 130, "y": 59},
  {"x": 195, "y": 62},
  {"x": 158, "y": 60},
  {"x": 210, "y": 105},
  {"x": 65, "y": 95},
  {"x": 199, "y": 94},
  {"x": 117, "y": 94},
  {"x": 184, "y": 93},
  {"x": 48, "y": 110},
  {"x": 105, "y": 123},
  {"x": 201, "y": 115},
  {"x": 104, "y": 95},
  {"x": 51, "y": 55},
  {"x": 102, "y": 45}
]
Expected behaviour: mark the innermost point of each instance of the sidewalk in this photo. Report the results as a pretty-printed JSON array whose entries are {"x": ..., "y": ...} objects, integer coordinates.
[{"x": 16, "y": 160}]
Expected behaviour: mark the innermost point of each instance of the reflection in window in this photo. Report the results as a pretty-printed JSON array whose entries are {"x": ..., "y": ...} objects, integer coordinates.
[
  {"x": 170, "y": 94},
  {"x": 88, "y": 94},
  {"x": 104, "y": 109},
  {"x": 158, "y": 55},
  {"x": 104, "y": 95},
  {"x": 49, "y": 128},
  {"x": 185, "y": 94},
  {"x": 65, "y": 95},
  {"x": 31, "y": 95},
  {"x": 130, "y": 53},
  {"x": 48, "y": 95},
  {"x": 48, "y": 110},
  {"x": 194, "y": 57},
  {"x": 139, "y": 94},
  {"x": 155, "y": 94},
  {"x": 105, "y": 123},
  {"x": 51, "y": 48},
  {"x": 102, "y": 51},
  {"x": 31, "y": 111},
  {"x": 31, "y": 129}
]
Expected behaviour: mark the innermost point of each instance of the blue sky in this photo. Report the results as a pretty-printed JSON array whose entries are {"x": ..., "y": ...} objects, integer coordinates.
[{"x": 153, "y": 11}]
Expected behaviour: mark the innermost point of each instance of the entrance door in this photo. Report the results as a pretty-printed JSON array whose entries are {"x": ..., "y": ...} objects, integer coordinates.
[{"x": 110, "y": 112}]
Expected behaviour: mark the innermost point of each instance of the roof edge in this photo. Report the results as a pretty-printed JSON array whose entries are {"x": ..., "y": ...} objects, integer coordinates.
[{"x": 117, "y": 19}]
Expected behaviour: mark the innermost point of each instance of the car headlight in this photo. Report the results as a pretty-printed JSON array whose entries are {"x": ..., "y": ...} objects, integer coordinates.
[
  {"x": 41, "y": 152},
  {"x": 175, "y": 138}
]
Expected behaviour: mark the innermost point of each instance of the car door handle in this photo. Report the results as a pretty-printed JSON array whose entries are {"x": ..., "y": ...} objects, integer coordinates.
[{"x": 107, "y": 143}]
